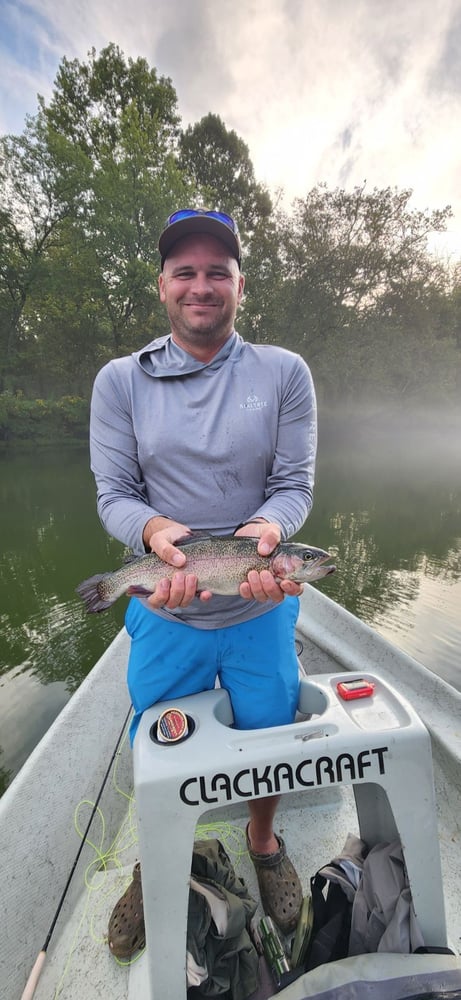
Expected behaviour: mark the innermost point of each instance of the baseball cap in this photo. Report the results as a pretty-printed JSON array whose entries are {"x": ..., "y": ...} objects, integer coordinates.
[{"x": 199, "y": 220}]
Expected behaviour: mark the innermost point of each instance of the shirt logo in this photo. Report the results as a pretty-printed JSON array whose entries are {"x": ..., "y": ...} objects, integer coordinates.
[{"x": 253, "y": 402}]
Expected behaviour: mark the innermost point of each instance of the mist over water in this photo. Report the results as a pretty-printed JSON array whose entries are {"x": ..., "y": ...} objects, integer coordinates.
[{"x": 387, "y": 505}]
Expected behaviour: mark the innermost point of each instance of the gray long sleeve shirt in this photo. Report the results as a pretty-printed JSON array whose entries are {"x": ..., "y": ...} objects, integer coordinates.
[{"x": 209, "y": 445}]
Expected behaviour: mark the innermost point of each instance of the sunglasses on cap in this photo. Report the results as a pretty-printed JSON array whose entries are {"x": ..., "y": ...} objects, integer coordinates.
[
  {"x": 191, "y": 213},
  {"x": 189, "y": 220}
]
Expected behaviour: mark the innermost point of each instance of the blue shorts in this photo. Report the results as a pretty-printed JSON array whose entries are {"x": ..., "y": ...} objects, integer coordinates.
[{"x": 255, "y": 661}]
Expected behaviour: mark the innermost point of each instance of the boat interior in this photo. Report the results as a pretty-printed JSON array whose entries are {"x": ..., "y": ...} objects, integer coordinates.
[{"x": 341, "y": 789}]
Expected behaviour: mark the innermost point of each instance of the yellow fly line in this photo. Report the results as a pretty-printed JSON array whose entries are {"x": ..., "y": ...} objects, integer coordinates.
[{"x": 109, "y": 871}]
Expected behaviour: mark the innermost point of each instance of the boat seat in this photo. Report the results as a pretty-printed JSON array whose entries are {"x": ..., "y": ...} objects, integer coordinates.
[{"x": 375, "y": 743}]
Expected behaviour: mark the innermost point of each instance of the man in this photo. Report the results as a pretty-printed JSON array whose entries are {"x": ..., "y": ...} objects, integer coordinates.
[{"x": 202, "y": 431}]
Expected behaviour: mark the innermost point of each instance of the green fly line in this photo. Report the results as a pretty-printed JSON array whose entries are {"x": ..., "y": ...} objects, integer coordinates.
[
  {"x": 102, "y": 889},
  {"x": 104, "y": 858}
]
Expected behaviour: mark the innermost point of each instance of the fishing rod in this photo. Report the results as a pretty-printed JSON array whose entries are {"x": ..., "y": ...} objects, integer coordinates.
[{"x": 31, "y": 985}]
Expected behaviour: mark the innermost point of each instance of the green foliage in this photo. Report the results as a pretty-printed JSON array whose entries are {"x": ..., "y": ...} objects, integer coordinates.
[
  {"x": 42, "y": 420},
  {"x": 90, "y": 102},
  {"x": 88, "y": 186},
  {"x": 345, "y": 253},
  {"x": 363, "y": 299},
  {"x": 219, "y": 162},
  {"x": 344, "y": 277}
]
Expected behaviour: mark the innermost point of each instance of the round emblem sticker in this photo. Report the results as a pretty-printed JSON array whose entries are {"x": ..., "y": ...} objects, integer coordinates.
[{"x": 172, "y": 726}]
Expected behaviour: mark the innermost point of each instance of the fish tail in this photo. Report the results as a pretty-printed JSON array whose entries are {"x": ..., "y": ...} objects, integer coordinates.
[{"x": 90, "y": 591}]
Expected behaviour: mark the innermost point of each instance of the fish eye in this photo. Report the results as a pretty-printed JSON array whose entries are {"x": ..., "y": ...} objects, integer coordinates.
[{"x": 308, "y": 556}]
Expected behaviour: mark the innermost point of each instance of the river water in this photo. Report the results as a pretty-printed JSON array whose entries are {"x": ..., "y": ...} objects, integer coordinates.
[{"x": 387, "y": 504}]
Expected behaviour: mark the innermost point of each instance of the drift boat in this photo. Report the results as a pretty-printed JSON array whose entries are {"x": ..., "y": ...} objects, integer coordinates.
[{"x": 72, "y": 828}]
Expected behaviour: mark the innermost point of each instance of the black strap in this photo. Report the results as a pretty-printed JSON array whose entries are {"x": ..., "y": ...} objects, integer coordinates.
[{"x": 332, "y": 919}]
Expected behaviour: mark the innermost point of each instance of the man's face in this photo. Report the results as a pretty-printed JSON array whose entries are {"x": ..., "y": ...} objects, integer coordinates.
[{"x": 201, "y": 287}]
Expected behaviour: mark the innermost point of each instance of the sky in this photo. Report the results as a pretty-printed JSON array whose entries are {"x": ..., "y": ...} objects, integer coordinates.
[{"x": 339, "y": 92}]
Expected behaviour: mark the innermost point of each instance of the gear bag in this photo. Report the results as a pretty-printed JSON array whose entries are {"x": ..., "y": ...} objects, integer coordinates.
[
  {"x": 367, "y": 906},
  {"x": 221, "y": 958},
  {"x": 332, "y": 911},
  {"x": 383, "y": 917}
]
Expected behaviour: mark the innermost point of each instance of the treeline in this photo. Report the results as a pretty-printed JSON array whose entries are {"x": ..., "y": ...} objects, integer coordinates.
[{"x": 345, "y": 278}]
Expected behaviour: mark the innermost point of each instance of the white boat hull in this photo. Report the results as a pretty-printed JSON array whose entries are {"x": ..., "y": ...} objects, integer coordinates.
[{"x": 40, "y": 842}]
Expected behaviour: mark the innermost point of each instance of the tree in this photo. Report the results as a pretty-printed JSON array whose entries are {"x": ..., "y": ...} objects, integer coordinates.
[
  {"x": 86, "y": 190},
  {"x": 345, "y": 278},
  {"x": 89, "y": 101},
  {"x": 219, "y": 162},
  {"x": 348, "y": 258},
  {"x": 125, "y": 121},
  {"x": 37, "y": 199}
]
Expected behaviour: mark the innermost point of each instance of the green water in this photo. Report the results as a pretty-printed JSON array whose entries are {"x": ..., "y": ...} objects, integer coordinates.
[{"x": 387, "y": 504}]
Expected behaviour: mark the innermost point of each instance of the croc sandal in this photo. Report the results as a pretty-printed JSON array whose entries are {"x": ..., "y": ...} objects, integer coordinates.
[
  {"x": 279, "y": 886},
  {"x": 126, "y": 925}
]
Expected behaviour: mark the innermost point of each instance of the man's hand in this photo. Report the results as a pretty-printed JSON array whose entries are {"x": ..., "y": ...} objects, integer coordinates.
[
  {"x": 159, "y": 536},
  {"x": 262, "y": 586}
]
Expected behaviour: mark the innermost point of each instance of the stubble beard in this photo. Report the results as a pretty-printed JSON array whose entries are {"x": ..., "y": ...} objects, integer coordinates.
[{"x": 211, "y": 330}]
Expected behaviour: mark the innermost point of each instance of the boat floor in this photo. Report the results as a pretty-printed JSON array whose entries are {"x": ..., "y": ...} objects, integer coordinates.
[
  {"x": 79, "y": 963},
  {"x": 79, "y": 959}
]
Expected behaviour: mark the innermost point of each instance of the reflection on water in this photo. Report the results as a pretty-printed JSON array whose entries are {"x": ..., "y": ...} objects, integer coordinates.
[
  {"x": 389, "y": 509},
  {"x": 51, "y": 539},
  {"x": 428, "y": 625}
]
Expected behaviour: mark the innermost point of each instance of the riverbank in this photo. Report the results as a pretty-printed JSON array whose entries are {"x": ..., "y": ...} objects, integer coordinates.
[{"x": 42, "y": 421}]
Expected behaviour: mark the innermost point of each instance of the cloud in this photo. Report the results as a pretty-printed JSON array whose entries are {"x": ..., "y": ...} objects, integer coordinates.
[
  {"x": 446, "y": 76},
  {"x": 320, "y": 90},
  {"x": 191, "y": 42}
]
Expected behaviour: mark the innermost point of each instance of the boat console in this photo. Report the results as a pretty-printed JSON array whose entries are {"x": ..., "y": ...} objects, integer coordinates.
[{"x": 355, "y": 731}]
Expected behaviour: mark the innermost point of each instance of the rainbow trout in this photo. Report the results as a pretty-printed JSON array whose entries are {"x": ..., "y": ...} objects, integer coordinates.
[{"x": 221, "y": 564}]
